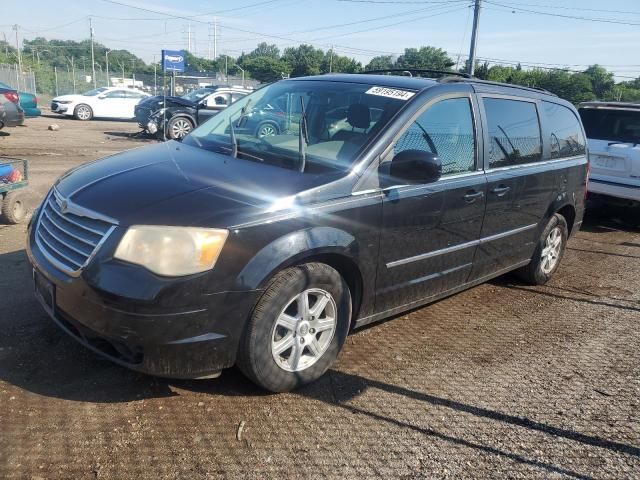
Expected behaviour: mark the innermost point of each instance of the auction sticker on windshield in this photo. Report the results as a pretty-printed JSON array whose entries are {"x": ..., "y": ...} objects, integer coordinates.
[{"x": 390, "y": 93}]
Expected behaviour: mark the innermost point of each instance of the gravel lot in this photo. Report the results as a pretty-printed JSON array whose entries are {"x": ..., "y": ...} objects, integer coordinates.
[{"x": 503, "y": 381}]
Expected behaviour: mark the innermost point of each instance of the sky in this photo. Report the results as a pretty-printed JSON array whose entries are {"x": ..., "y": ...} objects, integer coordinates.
[{"x": 533, "y": 32}]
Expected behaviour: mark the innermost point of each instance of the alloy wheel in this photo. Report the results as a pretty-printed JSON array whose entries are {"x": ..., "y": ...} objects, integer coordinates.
[
  {"x": 304, "y": 330},
  {"x": 267, "y": 130},
  {"x": 84, "y": 113},
  {"x": 551, "y": 251},
  {"x": 180, "y": 128}
]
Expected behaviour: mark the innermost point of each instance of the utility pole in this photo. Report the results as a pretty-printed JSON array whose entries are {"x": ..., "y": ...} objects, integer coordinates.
[
  {"x": 93, "y": 58},
  {"x": 189, "y": 38},
  {"x": 215, "y": 38},
  {"x": 15, "y": 27},
  {"x": 331, "y": 60},
  {"x": 474, "y": 38},
  {"x": 55, "y": 73},
  {"x": 106, "y": 54}
]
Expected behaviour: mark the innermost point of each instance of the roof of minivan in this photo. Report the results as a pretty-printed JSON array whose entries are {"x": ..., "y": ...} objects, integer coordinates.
[
  {"x": 419, "y": 83},
  {"x": 396, "y": 81}
]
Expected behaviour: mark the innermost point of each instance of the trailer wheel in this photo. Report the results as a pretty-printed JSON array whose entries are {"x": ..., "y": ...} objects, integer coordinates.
[{"x": 14, "y": 209}]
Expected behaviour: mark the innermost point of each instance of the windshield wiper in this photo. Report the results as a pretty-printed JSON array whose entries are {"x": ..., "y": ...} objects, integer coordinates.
[
  {"x": 303, "y": 139},
  {"x": 234, "y": 139}
]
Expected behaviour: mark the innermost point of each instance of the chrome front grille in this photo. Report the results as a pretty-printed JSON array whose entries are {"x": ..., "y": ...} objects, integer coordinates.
[{"x": 69, "y": 235}]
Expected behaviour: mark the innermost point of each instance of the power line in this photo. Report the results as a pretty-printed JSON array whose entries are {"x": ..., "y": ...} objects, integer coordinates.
[{"x": 560, "y": 15}]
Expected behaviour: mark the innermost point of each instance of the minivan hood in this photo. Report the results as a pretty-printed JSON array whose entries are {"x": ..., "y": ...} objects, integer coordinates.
[{"x": 175, "y": 184}]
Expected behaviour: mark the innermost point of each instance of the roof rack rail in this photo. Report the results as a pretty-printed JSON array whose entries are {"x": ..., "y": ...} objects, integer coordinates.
[
  {"x": 411, "y": 71},
  {"x": 498, "y": 84}
]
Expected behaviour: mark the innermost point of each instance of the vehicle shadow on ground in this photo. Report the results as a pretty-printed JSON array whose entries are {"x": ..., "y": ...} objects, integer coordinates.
[
  {"x": 136, "y": 136},
  {"x": 602, "y": 218}
]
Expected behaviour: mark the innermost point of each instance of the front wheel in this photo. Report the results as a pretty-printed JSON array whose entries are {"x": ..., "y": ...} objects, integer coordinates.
[
  {"x": 178, "y": 128},
  {"x": 548, "y": 253},
  {"x": 83, "y": 112},
  {"x": 297, "y": 328}
]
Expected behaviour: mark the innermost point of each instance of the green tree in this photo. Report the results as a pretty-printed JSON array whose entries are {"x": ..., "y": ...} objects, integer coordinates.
[
  {"x": 266, "y": 69},
  {"x": 425, "y": 57},
  {"x": 383, "y": 62},
  {"x": 602, "y": 81},
  {"x": 304, "y": 60},
  {"x": 339, "y": 64}
]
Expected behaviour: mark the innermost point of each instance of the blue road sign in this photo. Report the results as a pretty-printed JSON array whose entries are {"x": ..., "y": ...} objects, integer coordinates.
[{"x": 173, "y": 60}]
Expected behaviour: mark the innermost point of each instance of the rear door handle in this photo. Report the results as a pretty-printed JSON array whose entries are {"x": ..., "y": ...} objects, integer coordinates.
[
  {"x": 500, "y": 191},
  {"x": 472, "y": 196}
]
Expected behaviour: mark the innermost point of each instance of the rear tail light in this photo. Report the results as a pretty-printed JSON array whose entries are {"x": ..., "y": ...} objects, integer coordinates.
[{"x": 12, "y": 97}]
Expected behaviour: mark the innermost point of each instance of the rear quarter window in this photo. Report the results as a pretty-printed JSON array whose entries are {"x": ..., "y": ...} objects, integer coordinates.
[{"x": 566, "y": 138}]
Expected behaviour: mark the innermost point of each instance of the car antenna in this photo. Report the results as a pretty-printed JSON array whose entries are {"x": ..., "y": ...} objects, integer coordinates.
[
  {"x": 302, "y": 137},
  {"x": 234, "y": 139}
]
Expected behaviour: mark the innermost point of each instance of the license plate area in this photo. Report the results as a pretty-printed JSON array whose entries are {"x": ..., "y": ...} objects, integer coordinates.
[
  {"x": 606, "y": 162},
  {"x": 45, "y": 291}
]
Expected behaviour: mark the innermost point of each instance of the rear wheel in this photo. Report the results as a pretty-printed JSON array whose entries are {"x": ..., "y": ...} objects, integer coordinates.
[
  {"x": 179, "y": 127},
  {"x": 14, "y": 209},
  {"x": 548, "y": 254},
  {"x": 83, "y": 112},
  {"x": 297, "y": 328}
]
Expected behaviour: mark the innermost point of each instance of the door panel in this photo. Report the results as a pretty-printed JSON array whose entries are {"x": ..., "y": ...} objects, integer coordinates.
[
  {"x": 429, "y": 238},
  {"x": 430, "y": 231},
  {"x": 519, "y": 188}
]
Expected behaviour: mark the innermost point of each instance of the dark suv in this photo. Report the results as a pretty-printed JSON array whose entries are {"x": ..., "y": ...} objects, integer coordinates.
[
  {"x": 11, "y": 113},
  {"x": 379, "y": 194},
  {"x": 174, "y": 117}
]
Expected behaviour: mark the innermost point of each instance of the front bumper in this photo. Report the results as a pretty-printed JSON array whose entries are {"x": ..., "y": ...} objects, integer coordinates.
[
  {"x": 59, "y": 108},
  {"x": 196, "y": 341}
]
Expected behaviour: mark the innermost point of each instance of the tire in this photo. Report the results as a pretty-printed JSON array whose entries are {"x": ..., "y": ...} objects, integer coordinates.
[
  {"x": 546, "y": 258},
  {"x": 258, "y": 356},
  {"x": 14, "y": 209},
  {"x": 267, "y": 129},
  {"x": 178, "y": 128},
  {"x": 83, "y": 112}
]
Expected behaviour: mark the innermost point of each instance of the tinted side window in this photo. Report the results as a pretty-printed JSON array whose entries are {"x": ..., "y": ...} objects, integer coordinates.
[
  {"x": 236, "y": 96},
  {"x": 115, "y": 94},
  {"x": 514, "y": 132},
  {"x": 566, "y": 135},
  {"x": 445, "y": 129}
]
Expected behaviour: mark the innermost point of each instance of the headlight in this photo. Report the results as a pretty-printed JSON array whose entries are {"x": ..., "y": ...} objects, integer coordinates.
[
  {"x": 172, "y": 251},
  {"x": 152, "y": 127},
  {"x": 62, "y": 102}
]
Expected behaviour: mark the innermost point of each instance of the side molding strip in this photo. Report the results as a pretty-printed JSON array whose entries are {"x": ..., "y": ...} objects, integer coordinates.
[{"x": 461, "y": 246}]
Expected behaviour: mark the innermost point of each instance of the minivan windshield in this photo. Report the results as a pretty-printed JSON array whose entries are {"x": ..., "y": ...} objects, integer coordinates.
[
  {"x": 93, "y": 93},
  {"x": 611, "y": 125},
  {"x": 339, "y": 120}
]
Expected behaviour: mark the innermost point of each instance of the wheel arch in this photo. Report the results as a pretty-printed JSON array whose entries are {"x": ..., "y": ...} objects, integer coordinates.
[
  {"x": 326, "y": 245},
  {"x": 568, "y": 211}
]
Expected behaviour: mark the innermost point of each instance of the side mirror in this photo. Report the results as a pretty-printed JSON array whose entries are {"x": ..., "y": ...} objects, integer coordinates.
[
  {"x": 415, "y": 167},
  {"x": 101, "y": 97}
]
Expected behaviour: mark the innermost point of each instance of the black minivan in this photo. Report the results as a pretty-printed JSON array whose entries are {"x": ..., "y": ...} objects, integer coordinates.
[{"x": 381, "y": 193}]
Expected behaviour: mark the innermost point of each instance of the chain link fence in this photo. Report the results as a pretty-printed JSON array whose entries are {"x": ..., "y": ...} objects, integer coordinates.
[{"x": 25, "y": 81}]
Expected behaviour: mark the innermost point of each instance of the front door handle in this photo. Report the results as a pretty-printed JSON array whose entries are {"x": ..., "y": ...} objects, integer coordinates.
[
  {"x": 501, "y": 190},
  {"x": 473, "y": 196}
]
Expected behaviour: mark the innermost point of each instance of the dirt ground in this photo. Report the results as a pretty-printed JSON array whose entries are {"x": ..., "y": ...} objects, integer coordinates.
[{"x": 502, "y": 381}]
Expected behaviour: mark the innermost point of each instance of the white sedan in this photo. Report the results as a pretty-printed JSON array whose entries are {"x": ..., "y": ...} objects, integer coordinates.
[{"x": 104, "y": 102}]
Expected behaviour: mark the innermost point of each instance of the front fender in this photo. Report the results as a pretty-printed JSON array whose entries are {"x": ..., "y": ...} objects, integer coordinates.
[{"x": 293, "y": 248}]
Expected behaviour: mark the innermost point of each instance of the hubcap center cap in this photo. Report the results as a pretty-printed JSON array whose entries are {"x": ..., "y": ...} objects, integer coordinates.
[{"x": 303, "y": 329}]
